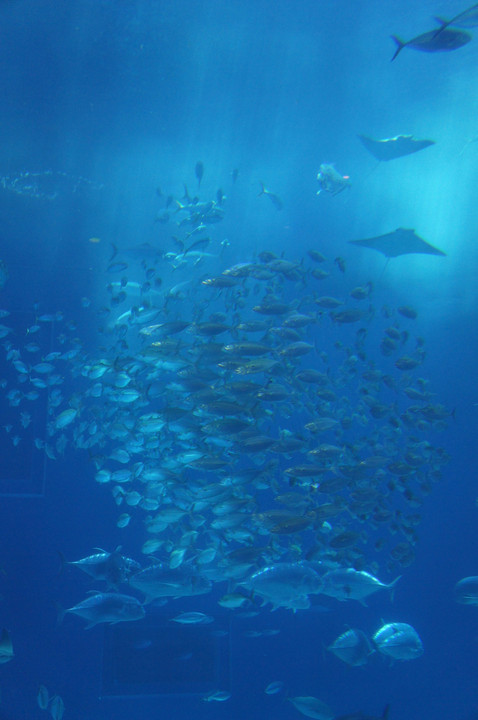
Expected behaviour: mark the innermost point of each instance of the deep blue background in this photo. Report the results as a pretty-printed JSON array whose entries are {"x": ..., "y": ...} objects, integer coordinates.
[{"x": 130, "y": 94}]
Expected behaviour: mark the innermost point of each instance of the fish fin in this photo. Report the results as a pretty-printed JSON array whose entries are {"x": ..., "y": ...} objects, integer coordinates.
[
  {"x": 263, "y": 190},
  {"x": 400, "y": 45},
  {"x": 90, "y": 625},
  {"x": 442, "y": 23},
  {"x": 391, "y": 587},
  {"x": 115, "y": 252},
  {"x": 386, "y": 710}
]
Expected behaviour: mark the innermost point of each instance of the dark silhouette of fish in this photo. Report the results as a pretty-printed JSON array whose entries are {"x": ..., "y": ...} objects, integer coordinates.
[
  {"x": 3, "y": 274},
  {"x": 275, "y": 199},
  {"x": 401, "y": 241},
  {"x": 199, "y": 170},
  {"x": 391, "y": 148},
  {"x": 466, "y": 19},
  {"x": 444, "y": 40},
  {"x": 362, "y": 716}
]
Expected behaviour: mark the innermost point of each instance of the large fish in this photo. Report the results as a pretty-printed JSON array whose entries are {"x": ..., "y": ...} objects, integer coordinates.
[
  {"x": 433, "y": 41},
  {"x": 351, "y": 584},
  {"x": 352, "y": 647},
  {"x": 112, "y": 567},
  {"x": 107, "y": 608},
  {"x": 286, "y": 585},
  {"x": 159, "y": 581},
  {"x": 399, "y": 641}
]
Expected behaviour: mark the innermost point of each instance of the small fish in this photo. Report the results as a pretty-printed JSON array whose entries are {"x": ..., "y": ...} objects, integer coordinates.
[
  {"x": 65, "y": 418},
  {"x": 363, "y": 716},
  {"x": 193, "y": 618},
  {"x": 312, "y": 707},
  {"x": 57, "y": 708},
  {"x": 408, "y": 312},
  {"x": 274, "y": 687},
  {"x": 6, "y": 647},
  {"x": 116, "y": 267},
  {"x": 43, "y": 697},
  {"x": 350, "y": 315},
  {"x": 123, "y": 520},
  {"x": 217, "y": 696},
  {"x": 275, "y": 199},
  {"x": 340, "y": 262},
  {"x": 199, "y": 172},
  {"x": 43, "y": 368},
  {"x": 3, "y": 274},
  {"x": 233, "y": 600}
]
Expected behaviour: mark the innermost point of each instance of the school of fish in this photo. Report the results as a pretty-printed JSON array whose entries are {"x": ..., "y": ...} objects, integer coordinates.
[
  {"x": 238, "y": 414},
  {"x": 235, "y": 413}
]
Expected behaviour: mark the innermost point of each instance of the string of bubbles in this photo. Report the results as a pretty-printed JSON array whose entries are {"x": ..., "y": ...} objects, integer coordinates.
[{"x": 46, "y": 184}]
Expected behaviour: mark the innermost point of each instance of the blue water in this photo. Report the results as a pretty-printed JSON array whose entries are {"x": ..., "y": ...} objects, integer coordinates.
[{"x": 117, "y": 98}]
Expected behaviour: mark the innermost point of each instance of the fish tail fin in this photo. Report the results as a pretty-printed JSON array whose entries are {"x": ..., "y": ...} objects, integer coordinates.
[
  {"x": 391, "y": 586},
  {"x": 400, "y": 45},
  {"x": 263, "y": 190}
]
